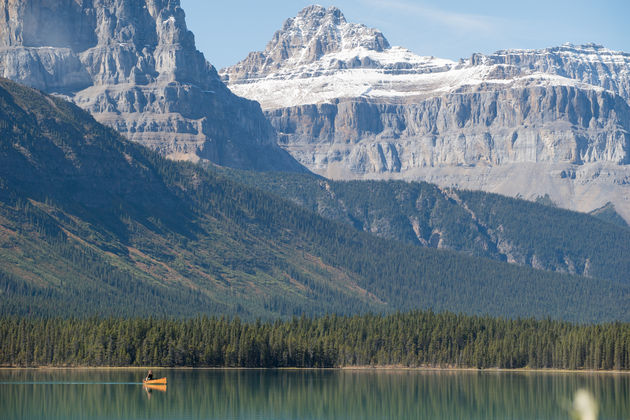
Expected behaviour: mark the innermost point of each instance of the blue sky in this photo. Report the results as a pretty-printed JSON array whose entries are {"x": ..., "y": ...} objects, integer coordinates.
[{"x": 226, "y": 31}]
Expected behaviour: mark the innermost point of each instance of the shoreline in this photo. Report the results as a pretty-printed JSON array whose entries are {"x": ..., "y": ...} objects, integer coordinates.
[{"x": 383, "y": 369}]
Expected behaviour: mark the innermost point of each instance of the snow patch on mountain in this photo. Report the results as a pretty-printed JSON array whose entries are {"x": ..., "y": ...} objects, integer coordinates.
[{"x": 319, "y": 83}]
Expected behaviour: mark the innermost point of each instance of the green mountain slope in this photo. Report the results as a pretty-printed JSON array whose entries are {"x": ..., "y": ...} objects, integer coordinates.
[
  {"x": 93, "y": 224},
  {"x": 476, "y": 223}
]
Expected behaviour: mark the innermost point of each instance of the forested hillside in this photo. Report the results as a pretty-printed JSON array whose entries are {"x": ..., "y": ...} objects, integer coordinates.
[
  {"x": 474, "y": 222},
  {"x": 93, "y": 224}
]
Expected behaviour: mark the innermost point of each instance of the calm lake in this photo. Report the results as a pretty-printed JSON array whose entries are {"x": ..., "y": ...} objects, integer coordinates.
[{"x": 309, "y": 394}]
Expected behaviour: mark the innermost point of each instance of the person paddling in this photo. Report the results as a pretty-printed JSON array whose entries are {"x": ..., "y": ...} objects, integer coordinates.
[{"x": 149, "y": 376}]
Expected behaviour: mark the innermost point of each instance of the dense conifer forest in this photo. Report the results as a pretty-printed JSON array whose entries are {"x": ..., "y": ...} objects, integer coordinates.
[
  {"x": 413, "y": 339},
  {"x": 474, "y": 222}
]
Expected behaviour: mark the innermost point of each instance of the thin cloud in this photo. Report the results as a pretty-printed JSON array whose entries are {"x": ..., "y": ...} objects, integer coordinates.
[{"x": 460, "y": 21}]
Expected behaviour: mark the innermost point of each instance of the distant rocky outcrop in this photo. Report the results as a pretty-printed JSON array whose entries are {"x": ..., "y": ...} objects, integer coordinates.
[
  {"x": 134, "y": 66},
  {"x": 525, "y": 123}
]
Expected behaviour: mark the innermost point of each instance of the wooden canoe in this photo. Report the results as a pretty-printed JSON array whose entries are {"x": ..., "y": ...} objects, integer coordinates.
[{"x": 161, "y": 381}]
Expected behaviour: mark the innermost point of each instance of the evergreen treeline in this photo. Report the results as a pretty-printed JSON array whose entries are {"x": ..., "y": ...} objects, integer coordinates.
[{"x": 409, "y": 339}]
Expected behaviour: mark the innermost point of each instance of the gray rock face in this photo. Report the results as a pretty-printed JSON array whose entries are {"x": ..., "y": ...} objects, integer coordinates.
[
  {"x": 134, "y": 66},
  {"x": 523, "y": 123},
  {"x": 485, "y": 127},
  {"x": 47, "y": 69},
  {"x": 48, "y": 23}
]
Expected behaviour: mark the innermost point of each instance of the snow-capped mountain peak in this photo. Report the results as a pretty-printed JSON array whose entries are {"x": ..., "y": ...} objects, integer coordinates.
[
  {"x": 304, "y": 39},
  {"x": 318, "y": 56},
  {"x": 317, "y": 31}
]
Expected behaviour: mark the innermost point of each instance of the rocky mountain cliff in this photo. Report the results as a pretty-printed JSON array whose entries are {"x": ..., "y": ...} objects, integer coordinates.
[
  {"x": 523, "y": 123},
  {"x": 134, "y": 66}
]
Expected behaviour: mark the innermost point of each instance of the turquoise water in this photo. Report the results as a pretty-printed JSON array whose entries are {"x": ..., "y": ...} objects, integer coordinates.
[{"x": 310, "y": 394}]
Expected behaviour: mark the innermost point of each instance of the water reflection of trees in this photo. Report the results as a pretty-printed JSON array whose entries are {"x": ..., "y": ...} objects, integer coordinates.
[{"x": 311, "y": 395}]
